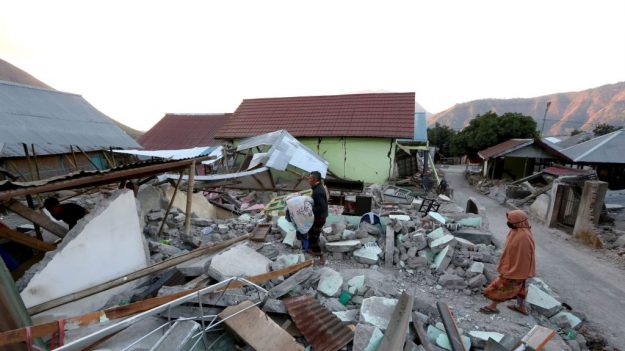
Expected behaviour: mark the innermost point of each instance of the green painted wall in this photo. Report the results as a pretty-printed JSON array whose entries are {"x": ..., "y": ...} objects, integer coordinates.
[{"x": 365, "y": 159}]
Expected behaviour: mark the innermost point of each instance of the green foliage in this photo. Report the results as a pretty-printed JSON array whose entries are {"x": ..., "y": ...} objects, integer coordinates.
[
  {"x": 575, "y": 132},
  {"x": 491, "y": 129},
  {"x": 604, "y": 128},
  {"x": 441, "y": 137}
]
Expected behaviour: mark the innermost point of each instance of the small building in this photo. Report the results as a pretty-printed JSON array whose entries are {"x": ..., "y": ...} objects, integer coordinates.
[
  {"x": 517, "y": 158},
  {"x": 183, "y": 131},
  {"x": 45, "y": 132},
  {"x": 356, "y": 133},
  {"x": 605, "y": 154}
]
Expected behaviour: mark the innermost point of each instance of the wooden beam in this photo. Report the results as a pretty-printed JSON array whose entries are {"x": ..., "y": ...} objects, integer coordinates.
[
  {"x": 421, "y": 333},
  {"x": 538, "y": 337},
  {"x": 171, "y": 203},
  {"x": 187, "y": 218},
  {"x": 451, "y": 328},
  {"x": 19, "y": 335},
  {"x": 37, "y": 218},
  {"x": 395, "y": 335},
  {"x": 173, "y": 261},
  {"x": 24, "y": 239},
  {"x": 389, "y": 247}
]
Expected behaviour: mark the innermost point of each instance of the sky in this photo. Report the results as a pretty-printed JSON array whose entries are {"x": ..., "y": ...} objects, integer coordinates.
[{"x": 136, "y": 60}]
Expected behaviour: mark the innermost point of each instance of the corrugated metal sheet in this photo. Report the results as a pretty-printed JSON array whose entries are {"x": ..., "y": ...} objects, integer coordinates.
[
  {"x": 53, "y": 120},
  {"x": 607, "y": 148},
  {"x": 183, "y": 131},
  {"x": 504, "y": 148},
  {"x": 380, "y": 115},
  {"x": 322, "y": 329}
]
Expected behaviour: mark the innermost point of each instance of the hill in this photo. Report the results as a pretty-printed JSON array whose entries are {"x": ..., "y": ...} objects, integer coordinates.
[
  {"x": 10, "y": 73},
  {"x": 581, "y": 110}
]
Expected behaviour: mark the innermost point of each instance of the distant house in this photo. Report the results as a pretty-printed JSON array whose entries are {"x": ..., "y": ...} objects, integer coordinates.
[
  {"x": 183, "y": 131},
  {"x": 356, "y": 133},
  {"x": 605, "y": 154},
  {"x": 517, "y": 158},
  {"x": 45, "y": 132}
]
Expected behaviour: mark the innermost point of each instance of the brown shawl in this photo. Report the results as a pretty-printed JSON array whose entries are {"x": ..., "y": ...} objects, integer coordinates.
[{"x": 518, "y": 258}]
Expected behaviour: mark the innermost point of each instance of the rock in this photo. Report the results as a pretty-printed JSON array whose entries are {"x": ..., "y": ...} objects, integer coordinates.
[
  {"x": 436, "y": 234},
  {"x": 366, "y": 256},
  {"x": 438, "y": 244},
  {"x": 452, "y": 281},
  {"x": 223, "y": 229},
  {"x": 156, "y": 216},
  {"x": 348, "y": 315},
  {"x": 201, "y": 222},
  {"x": 572, "y": 321},
  {"x": 334, "y": 305},
  {"x": 479, "y": 338},
  {"x": 330, "y": 282},
  {"x": 475, "y": 269},
  {"x": 269, "y": 251},
  {"x": 356, "y": 285},
  {"x": 417, "y": 262},
  {"x": 546, "y": 304},
  {"x": 475, "y": 236},
  {"x": 167, "y": 250},
  {"x": 274, "y": 306},
  {"x": 240, "y": 260},
  {"x": 443, "y": 341},
  {"x": 348, "y": 234},
  {"x": 620, "y": 242},
  {"x": 442, "y": 259},
  {"x": 412, "y": 252},
  {"x": 284, "y": 261}
]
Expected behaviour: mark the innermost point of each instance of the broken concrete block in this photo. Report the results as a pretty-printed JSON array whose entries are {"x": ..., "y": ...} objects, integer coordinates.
[
  {"x": 377, "y": 311},
  {"x": 446, "y": 240},
  {"x": 475, "y": 236},
  {"x": 436, "y": 234},
  {"x": 284, "y": 261},
  {"x": 131, "y": 334},
  {"x": 288, "y": 230},
  {"x": 334, "y": 305},
  {"x": 291, "y": 283},
  {"x": 367, "y": 338},
  {"x": 543, "y": 302},
  {"x": 475, "y": 269},
  {"x": 330, "y": 282},
  {"x": 178, "y": 337},
  {"x": 417, "y": 262},
  {"x": 470, "y": 222},
  {"x": 464, "y": 244},
  {"x": 437, "y": 217},
  {"x": 443, "y": 341},
  {"x": 572, "y": 320},
  {"x": 240, "y": 260},
  {"x": 343, "y": 246},
  {"x": 540, "y": 207},
  {"x": 348, "y": 235},
  {"x": 442, "y": 259},
  {"x": 107, "y": 241},
  {"x": 348, "y": 315},
  {"x": 366, "y": 256},
  {"x": 274, "y": 306},
  {"x": 478, "y": 281},
  {"x": 419, "y": 240},
  {"x": 195, "y": 267},
  {"x": 433, "y": 333},
  {"x": 356, "y": 284},
  {"x": 479, "y": 338},
  {"x": 452, "y": 281}
]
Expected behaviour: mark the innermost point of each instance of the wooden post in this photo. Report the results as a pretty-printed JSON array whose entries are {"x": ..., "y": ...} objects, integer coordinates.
[
  {"x": 187, "y": 218},
  {"x": 171, "y": 202},
  {"x": 71, "y": 148},
  {"x": 88, "y": 158},
  {"x": 37, "y": 217},
  {"x": 24, "y": 239},
  {"x": 30, "y": 165}
]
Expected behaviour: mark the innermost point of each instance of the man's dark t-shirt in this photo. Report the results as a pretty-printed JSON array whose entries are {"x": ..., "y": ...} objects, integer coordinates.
[
  {"x": 69, "y": 213},
  {"x": 320, "y": 201}
]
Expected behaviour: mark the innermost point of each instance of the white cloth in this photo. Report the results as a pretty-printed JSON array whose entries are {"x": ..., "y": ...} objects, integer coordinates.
[{"x": 300, "y": 211}]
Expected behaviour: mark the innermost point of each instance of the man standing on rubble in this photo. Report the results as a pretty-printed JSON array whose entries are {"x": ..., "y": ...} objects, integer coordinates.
[
  {"x": 320, "y": 211},
  {"x": 69, "y": 213},
  {"x": 517, "y": 264}
]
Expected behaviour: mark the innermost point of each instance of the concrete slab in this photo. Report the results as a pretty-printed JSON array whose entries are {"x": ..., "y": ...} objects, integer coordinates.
[
  {"x": 452, "y": 281},
  {"x": 200, "y": 207},
  {"x": 367, "y": 338},
  {"x": 573, "y": 320},
  {"x": 475, "y": 269},
  {"x": 475, "y": 236},
  {"x": 240, "y": 260},
  {"x": 442, "y": 259},
  {"x": 470, "y": 222},
  {"x": 366, "y": 256},
  {"x": 284, "y": 261},
  {"x": 330, "y": 282},
  {"x": 479, "y": 338},
  {"x": 343, "y": 246},
  {"x": 356, "y": 284},
  {"x": 107, "y": 241},
  {"x": 440, "y": 243},
  {"x": 540, "y": 207},
  {"x": 437, "y": 217},
  {"x": 377, "y": 311},
  {"x": 347, "y": 316},
  {"x": 478, "y": 281},
  {"x": 195, "y": 267},
  {"x": 543, "y": 302},
  {"x": 436, "y": 234}
]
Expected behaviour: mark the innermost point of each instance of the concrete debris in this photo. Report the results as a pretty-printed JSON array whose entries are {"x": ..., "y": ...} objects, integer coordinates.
[
  {"x": 377, "y": 311},
  {"x": 240, "y": 260},
  {"x": 546, "y": 304},
  {"x": 330, "y": 282}
]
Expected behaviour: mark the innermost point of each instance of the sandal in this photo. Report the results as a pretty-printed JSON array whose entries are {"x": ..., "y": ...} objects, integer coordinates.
[
  {"x": 488, "y": 310},
  {"x": 516, "y": 308}
]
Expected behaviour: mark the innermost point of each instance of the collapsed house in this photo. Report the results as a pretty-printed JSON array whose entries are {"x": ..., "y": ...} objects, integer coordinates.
[{"x": 46, "y": 133}]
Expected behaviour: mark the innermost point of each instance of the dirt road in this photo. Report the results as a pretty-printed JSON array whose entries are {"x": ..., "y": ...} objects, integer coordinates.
[{"x": 580, "y": 275}]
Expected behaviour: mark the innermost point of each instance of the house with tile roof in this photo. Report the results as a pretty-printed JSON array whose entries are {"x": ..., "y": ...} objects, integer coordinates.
[
  {"x": 356, "y": 133},
  {"x": 184, "y": 131}
]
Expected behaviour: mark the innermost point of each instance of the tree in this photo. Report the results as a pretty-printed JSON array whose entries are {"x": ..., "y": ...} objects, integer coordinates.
[
  {"x": 575, "y": 132},
  {"x": 490, "y": 129},
  {"x": 604, "y": 128},
  {"x": 441, "y": 137}
]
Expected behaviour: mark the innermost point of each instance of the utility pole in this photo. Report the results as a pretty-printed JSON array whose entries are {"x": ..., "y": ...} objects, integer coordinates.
[{"x": 542, "y": 130}]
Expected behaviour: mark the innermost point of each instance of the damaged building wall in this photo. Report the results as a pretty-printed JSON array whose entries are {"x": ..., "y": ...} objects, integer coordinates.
[
  {"x": 104, "y": 245},
  {"x": 366, "y": 159}
]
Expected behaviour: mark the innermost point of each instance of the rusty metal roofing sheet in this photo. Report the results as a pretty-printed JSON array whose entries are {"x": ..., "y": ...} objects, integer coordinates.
[{"x": 322, "y": 329}]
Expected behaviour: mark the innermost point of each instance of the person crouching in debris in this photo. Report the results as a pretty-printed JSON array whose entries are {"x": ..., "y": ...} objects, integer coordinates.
[
  {"x": 299, "y": 211},
  {"x": 320, "y": 211},
  {"x": 516, "y": 265},
  {"x": 69, "y": 213}
]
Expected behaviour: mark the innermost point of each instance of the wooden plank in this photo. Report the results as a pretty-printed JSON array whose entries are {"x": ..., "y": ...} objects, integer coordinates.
[
  {"x": 395, "y": 335},
  {"x": 19, "y": 335},
  {"x": 260, "y": 232},
  {"x": 538, "y": 337},
  {"x": 173, "y": 261},
  {"x": 421, "y": 333},
  {"x": 389, "y": 247},
  {"x": 37, "y": 218},
  {"x": 257, "y": 329},
  {"x": 451, "y": 328},
  {"x": 25, "y": 239}
]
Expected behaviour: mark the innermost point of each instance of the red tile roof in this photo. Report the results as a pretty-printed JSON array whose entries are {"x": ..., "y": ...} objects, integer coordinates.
[
  {"x": 183, "y": 131},
  {"x": 504, "y": 148},
  {"x": 386, "y": 115}
]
